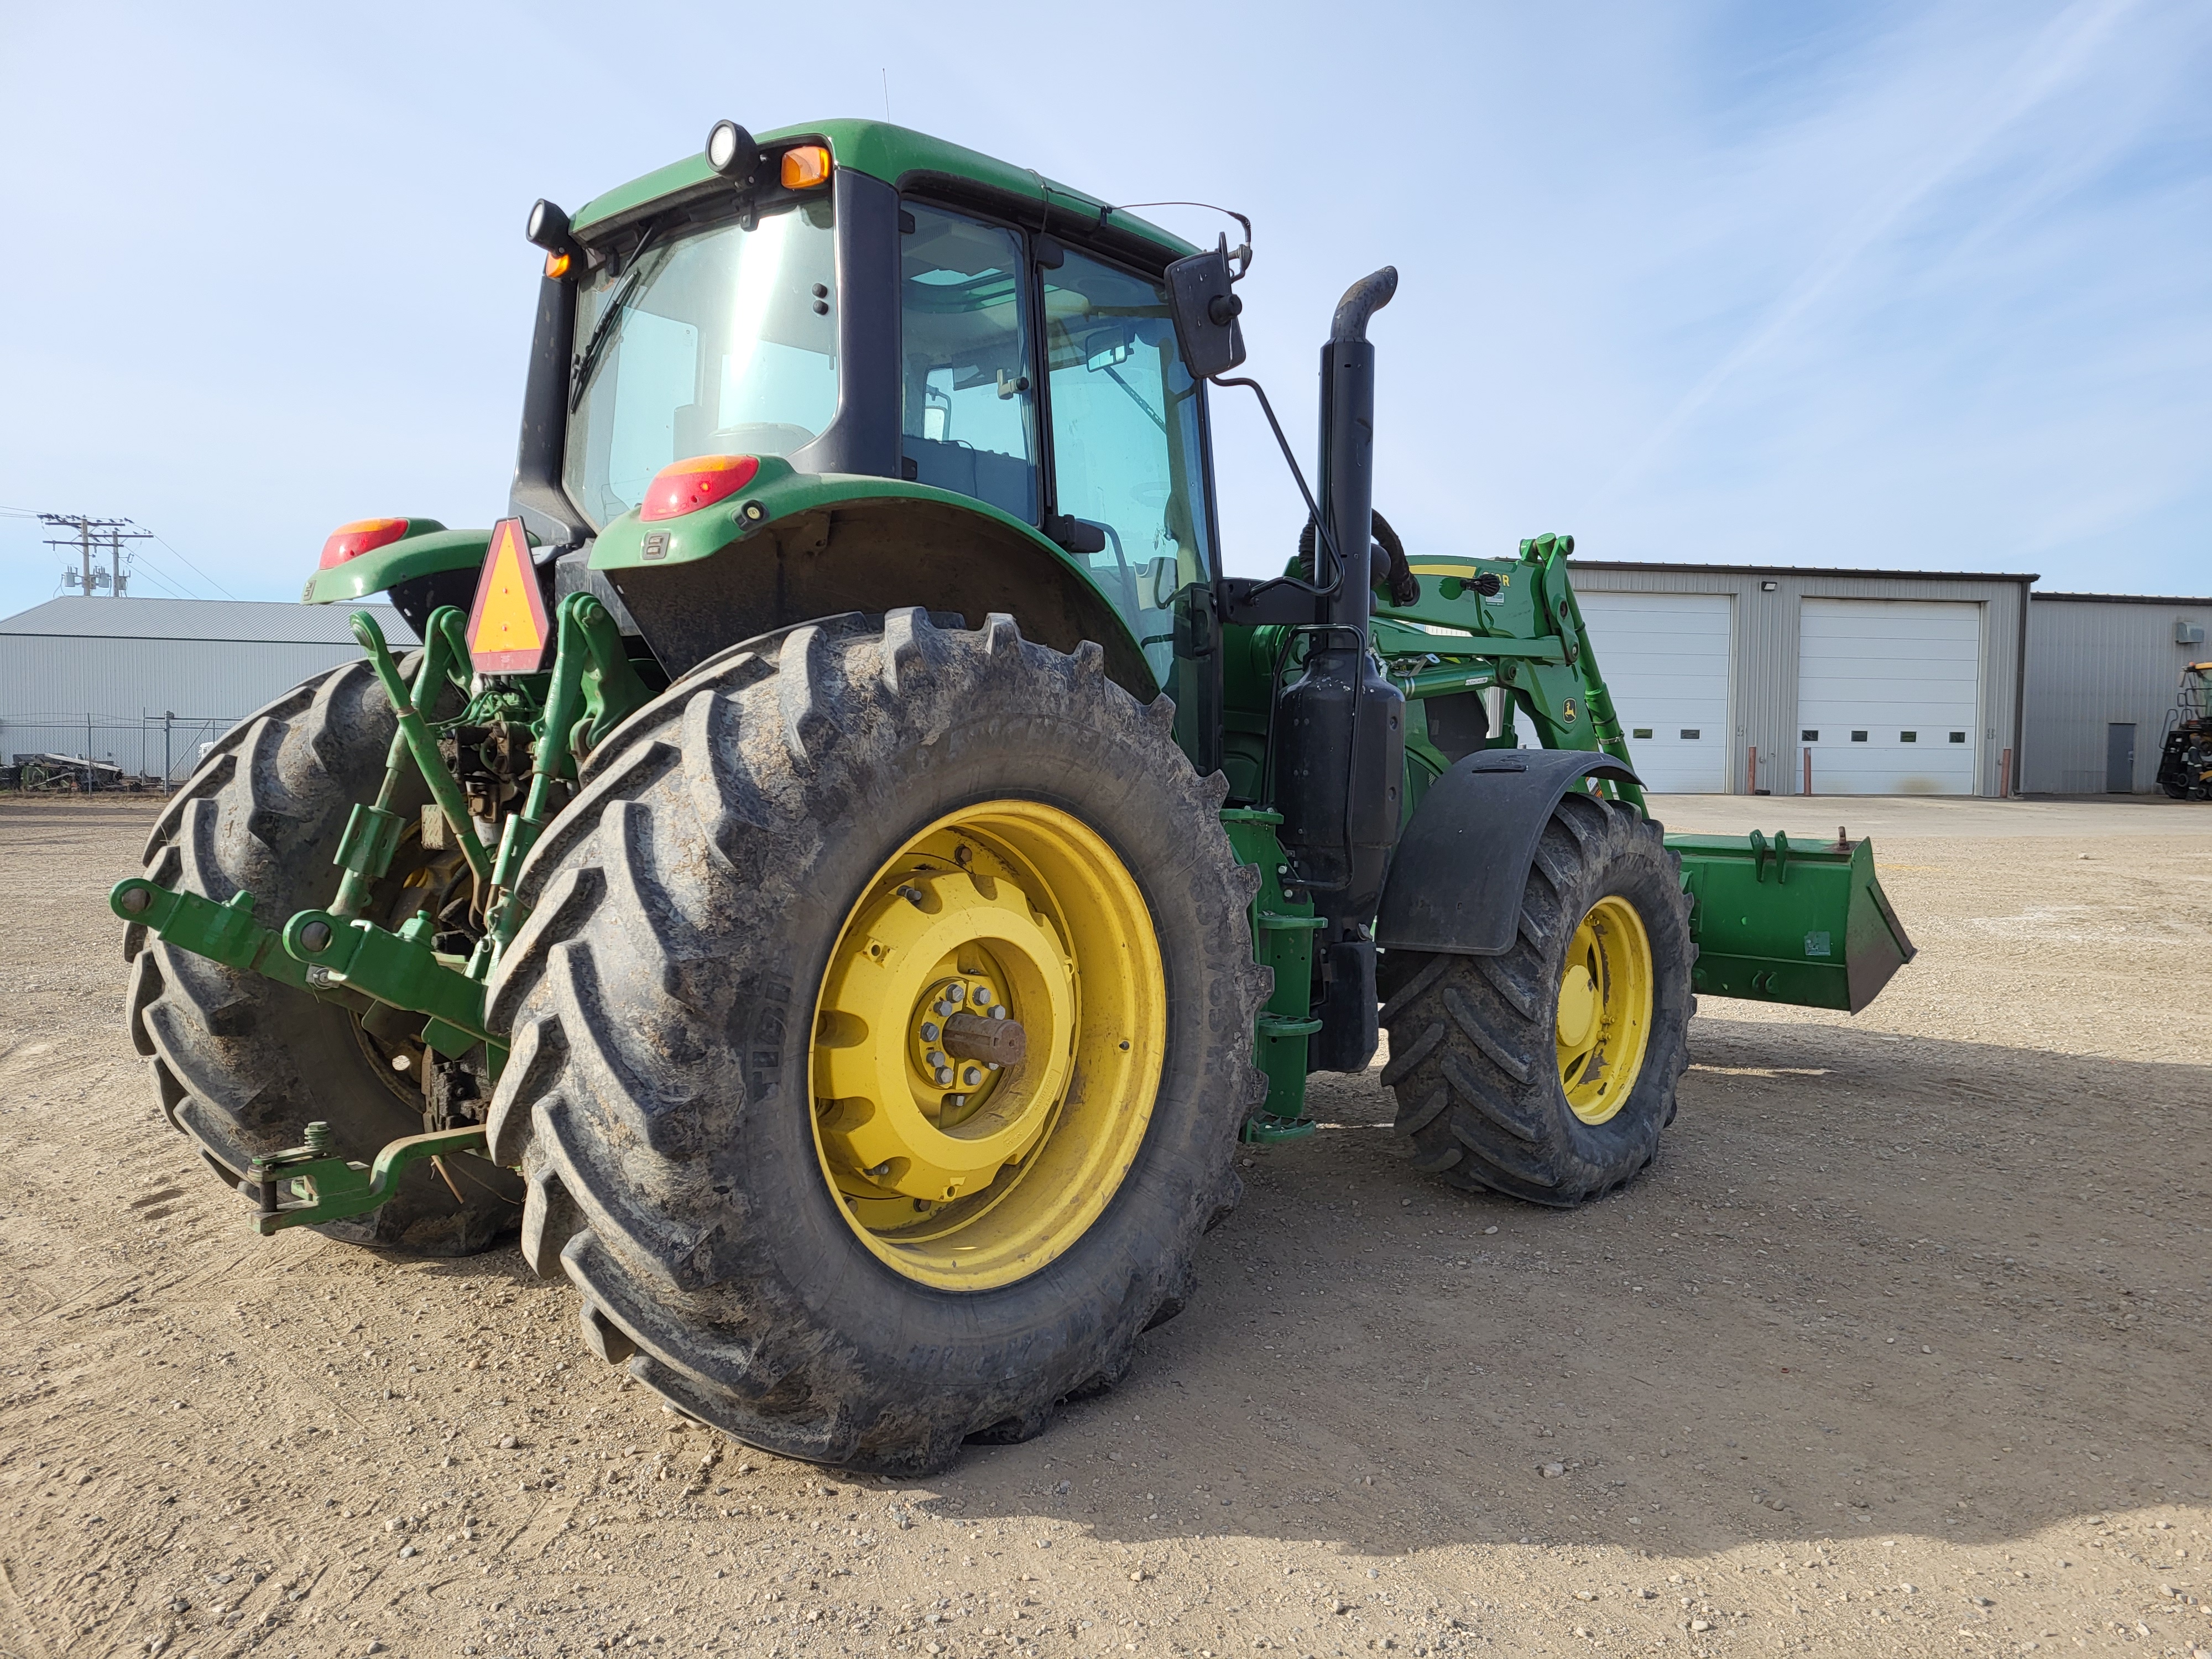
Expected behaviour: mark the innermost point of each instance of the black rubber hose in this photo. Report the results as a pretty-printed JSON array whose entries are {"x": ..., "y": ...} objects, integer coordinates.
[{"x": 1387, "y": 566}]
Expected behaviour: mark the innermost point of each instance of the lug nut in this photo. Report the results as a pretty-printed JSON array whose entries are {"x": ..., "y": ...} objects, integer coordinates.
[
  {"x": 972, "y": 1077},
  {"x": 315, "y": 936},
  {"x": 1000, "y": 1011},
  {"x": 933, "y": 1059},
  {"x": 955, "y": 1100},
  {"x": 982, "y": 998},
  {"x": 945, "y": 1077},
  {"x": 929, "y": 1030},
  {"x": 956, "y": 994}
]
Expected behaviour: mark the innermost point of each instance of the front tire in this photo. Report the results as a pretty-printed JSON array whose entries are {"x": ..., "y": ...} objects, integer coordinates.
[
  {"x": 736, "y": 1136},
  {"x": 1547, "y": 1073}
]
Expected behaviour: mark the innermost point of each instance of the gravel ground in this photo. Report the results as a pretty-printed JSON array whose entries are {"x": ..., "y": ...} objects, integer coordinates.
[{"x": 1901, "y": 1348}]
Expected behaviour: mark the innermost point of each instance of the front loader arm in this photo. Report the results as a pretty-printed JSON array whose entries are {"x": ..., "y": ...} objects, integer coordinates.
[
  {"x": 1807, "y": 924},
  {"x": 1513, "y": 624}
]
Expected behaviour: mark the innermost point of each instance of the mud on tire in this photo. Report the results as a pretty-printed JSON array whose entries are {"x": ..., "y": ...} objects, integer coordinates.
[
  {"x": 1472, "y": 1059},
  {"x": 661, "y": 1005},
  {"x": 241, "y": 1063}
]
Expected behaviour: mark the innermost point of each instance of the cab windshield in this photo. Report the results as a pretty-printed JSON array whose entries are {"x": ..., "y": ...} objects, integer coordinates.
[{"x": 714, "y": 340}]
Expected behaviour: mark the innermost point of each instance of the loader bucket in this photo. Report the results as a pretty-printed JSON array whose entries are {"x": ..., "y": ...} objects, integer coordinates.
[{"x": 1800, "y": 923}]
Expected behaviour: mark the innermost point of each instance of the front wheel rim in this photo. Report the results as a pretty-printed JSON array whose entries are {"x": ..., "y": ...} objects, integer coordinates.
[
  {"x": 956, "y": 1172},
  {"x": 1603, "y": 1024}
]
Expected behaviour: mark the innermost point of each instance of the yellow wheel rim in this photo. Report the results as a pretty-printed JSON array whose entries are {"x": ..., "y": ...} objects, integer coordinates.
[
  {"x": 1604, "y": 1023},
  {"x": 1008, "y": 919}
]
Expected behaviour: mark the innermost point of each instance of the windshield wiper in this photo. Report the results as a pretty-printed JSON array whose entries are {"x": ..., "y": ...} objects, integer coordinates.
[
  {"x": 1136, "y": 398},
  {"x": 603, "y": 332}
]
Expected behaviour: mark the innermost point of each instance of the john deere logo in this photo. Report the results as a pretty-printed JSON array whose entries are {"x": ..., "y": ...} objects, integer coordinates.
[{"x": 1570, "y": 710}]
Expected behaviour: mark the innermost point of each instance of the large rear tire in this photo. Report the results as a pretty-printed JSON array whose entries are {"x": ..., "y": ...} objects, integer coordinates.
[
  {"x": 241, "y": 1063},
  {"x": 785, "y": 1209},
  {"x": 1547, "y": 1073}
]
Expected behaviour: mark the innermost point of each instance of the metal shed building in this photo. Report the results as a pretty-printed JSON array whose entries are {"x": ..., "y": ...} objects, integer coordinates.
[
  {"x": 124, "y": 679},
  {"x": 1741, "y": 678},
  {"x": 2101, "y": 673}
]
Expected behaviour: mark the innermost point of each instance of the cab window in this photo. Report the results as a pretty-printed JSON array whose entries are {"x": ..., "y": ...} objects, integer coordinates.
[
  {"x": 1127, "y": 443},
  {"x": 969, "y": 402}
]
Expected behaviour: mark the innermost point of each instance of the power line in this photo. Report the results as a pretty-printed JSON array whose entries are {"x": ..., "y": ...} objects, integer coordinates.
[
  {"x": 108, "y": 536},
  {"x": 194, "y": 568},
  {"x": 95, "y": 536},
  {"x": 152, "y": 573}
]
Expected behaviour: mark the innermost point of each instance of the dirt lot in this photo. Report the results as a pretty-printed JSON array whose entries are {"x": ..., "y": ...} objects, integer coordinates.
[{"x": 1901, "y": 1348}]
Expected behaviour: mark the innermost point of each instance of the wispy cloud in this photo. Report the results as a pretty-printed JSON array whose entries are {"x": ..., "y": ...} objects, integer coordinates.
[
  {"x": 1898, "y": 282},
  {"x": 2058, "y": 55}
]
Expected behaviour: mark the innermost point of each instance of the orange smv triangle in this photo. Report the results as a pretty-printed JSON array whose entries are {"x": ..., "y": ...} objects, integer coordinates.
[{"x": 508, "y": 630}]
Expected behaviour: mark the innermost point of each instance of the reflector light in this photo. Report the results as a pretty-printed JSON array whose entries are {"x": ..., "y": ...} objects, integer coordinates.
[
  {"x": 556, "y": 265},
  {"x": 350, "y": 541},
  {"x": 805, "y": 166},
  {"x": 509, "y": 630},
  {"x": 684, "y": 487}
]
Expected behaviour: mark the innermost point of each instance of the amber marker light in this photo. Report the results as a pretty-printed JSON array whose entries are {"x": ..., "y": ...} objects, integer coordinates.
[
  {"x": 350, "y": 541},
  {"x": 807, "y": 166},
  {"x": 556, "y": 265},
  {"x": 684, "y": 487}
]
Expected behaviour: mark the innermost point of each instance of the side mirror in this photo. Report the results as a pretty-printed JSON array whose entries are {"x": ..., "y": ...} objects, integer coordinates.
[{"x": 1206, "y": 330}]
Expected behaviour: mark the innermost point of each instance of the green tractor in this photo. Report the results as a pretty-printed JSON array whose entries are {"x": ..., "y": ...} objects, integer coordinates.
[{"x": 844, "y": 866}]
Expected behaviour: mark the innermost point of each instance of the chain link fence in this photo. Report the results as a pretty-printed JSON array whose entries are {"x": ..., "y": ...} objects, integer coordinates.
[{"x": 50, "y": 751}]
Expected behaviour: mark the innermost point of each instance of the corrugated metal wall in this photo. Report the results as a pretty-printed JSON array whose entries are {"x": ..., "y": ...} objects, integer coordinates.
[
  {"x": 2092, "y": 662},
  {"x": 52, "y": 686},
  {"x": 1766, "y": 650}
]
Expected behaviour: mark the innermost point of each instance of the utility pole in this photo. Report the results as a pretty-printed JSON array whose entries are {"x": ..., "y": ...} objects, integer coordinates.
[{"x": 101, "y": 535}]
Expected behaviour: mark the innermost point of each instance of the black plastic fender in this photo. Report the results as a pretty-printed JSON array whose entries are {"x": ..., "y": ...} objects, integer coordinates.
[{"x": 1456, "y": 881}]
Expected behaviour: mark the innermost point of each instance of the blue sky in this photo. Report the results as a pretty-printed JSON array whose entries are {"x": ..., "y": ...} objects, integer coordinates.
[{"x": 1919, "y": 286}]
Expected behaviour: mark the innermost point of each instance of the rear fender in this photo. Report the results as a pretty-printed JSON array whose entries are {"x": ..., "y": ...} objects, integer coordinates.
[
  {"x": 421, "y": 572},
  {"x": 1456, "y": 879},
  {"x": 796, "y": 545}
]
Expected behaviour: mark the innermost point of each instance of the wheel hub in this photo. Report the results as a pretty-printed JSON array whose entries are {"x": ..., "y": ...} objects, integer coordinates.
[
  {"x": 914, "y": 1118},
  {"x": 986, "y": 1044},
  {"x": 1604, "y": 1009}
]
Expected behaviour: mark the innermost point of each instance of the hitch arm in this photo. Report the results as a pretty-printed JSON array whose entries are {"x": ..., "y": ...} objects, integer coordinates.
[
  {"x": 423, "y": 743},
  {"x": 400, "y": 968},
  {"x": 593, "y": 689},
  {"x": 372, "y": 836},
  {"x": 323, "y": 1187},
  {"x": 226, "y": 933}
]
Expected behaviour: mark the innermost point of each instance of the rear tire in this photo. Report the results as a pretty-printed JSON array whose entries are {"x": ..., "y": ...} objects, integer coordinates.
[
  {"x": 692, "y": 909},
  {"x": 1476, "y": 1045},
  {"x": 241, "y": 1063}
]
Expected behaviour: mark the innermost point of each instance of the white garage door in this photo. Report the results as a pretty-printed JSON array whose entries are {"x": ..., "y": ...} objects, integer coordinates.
[
  {"x": 1665, "y": 657},
  {"x": 1888, "y": 695}
]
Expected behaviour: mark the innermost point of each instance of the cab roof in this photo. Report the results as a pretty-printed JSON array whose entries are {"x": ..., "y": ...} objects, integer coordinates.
[{"x": 902, "y": 158}]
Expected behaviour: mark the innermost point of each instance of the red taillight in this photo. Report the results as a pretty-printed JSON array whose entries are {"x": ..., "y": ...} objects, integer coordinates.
[
  {"x": 350, "y": 541},
  {"x": 684, "y": 487}
]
